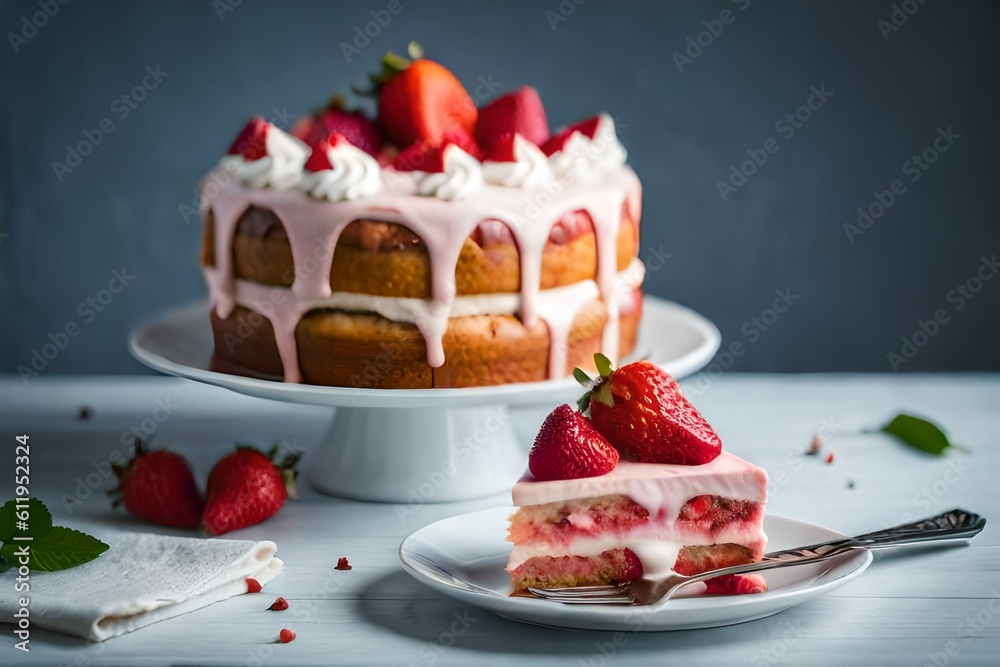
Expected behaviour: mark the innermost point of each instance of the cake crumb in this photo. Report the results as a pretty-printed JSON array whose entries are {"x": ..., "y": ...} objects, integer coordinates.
[
  {"x": 850, "y": 484},
  {"x": 829, "y": 458},
  {"x": 85, "y": 413},
  {"x": 343, "y": 564}
]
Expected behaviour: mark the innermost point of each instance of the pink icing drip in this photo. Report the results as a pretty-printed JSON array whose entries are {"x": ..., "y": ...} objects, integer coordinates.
[{"x": 314, "y": 226}]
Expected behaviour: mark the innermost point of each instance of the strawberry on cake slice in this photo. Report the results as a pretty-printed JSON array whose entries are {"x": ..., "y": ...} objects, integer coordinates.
[{"x": 640, "y": 488}]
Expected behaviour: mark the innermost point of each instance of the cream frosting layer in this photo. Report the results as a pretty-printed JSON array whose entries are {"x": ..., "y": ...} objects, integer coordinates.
[
  {"x": 658, "y": 487},
  {"x": 313, "y": 227}
]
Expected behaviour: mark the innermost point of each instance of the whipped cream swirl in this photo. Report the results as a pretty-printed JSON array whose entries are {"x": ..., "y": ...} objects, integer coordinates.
[
  {"x": 462, "y": 176},
  {"x": 582, "y": 153},
  {"x": 354, "y": 174},
  {"x": 530, "y": 168},
  {"x": 280, "y": 169}
]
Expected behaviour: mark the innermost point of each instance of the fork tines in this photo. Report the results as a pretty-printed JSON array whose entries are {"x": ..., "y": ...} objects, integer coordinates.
[{"x": 584, "y": 594}]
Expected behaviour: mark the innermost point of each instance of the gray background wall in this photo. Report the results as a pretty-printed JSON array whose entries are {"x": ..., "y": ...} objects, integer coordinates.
[{"x": 783, "y": 229}]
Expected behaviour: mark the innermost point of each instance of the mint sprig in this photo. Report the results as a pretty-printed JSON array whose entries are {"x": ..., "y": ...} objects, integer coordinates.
[
  {"x": 919, "y": 434},
  {"x": 51, "y": 548}
]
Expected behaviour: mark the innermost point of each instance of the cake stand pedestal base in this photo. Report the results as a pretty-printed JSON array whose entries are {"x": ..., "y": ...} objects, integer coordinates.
[{"x": 417, "y": 455}]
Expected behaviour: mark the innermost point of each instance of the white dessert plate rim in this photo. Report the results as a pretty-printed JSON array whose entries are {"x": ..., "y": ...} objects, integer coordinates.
[
  {"x": 179, "y": 342},
  {"x": 463, "y": 557}
]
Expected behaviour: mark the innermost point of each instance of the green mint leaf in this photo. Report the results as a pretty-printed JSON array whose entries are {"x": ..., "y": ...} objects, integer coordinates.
[
  {"x": 603, "y": 365},
  {"x": 918, "y": 433},
  {"x": 7, "y": 521},
  {"x": 60, "y": 549},
  {"x": 582, "y": 377},
  {"x": 39, "y": 520}
]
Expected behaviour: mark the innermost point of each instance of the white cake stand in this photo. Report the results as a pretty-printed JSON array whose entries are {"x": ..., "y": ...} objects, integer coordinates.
[{"x": 417, "y": 445}]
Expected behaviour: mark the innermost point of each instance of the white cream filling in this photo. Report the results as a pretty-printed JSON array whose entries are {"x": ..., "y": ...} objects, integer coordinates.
[
  {"x": 656, "y": 545},
  {"x": 404, "y": 309}
]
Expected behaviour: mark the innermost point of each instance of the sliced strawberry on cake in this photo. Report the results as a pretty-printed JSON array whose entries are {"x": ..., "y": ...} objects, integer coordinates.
[
  {"x": 674, "y": 502},
  {"x": 264, "y": 156},
  {"x": 520, "y": 112}
]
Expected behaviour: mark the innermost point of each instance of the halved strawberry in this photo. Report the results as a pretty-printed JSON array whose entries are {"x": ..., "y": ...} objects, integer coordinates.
[
  {"x": 428, "y": 156},
  {"x": 588, "y": 128},
  {"x": 251, "y": 142},
  {"x": 640, "y": 409},
  {"x": 519, "y": 112},
  {"x": 419, "y": 100},
  {"x": 736, "y": 584},
  {"x": 568, "y": 447},
  {"x": 319, "y": 159}
]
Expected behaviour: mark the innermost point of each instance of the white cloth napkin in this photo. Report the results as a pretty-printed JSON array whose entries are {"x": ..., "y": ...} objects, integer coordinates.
[{"x": 141, "y": 579}]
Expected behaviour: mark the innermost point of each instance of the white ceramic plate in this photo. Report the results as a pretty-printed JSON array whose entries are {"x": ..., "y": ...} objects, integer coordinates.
[
  {"x": 180, "y": 343},
  {"x": 464, "y": 557}
]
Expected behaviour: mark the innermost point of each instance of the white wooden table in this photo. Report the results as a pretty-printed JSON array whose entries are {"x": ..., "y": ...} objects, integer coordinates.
[{"x": 932, "y": 606}]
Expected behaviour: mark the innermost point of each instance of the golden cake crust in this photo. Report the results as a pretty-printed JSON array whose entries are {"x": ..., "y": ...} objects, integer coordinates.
[
  {"x": 386, "y": 259},
  {"x": 349, "y": 349}
]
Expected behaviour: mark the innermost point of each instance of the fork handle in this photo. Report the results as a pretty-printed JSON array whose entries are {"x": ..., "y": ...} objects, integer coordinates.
[
  {"x": 955, "y": 524},
  {"x": 952, "y": 525}
]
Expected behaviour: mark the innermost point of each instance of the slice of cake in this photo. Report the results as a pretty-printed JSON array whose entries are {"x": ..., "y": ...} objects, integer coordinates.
[
  {"x": 605, "y": 504},
  {"x": 444, "y": 245}
]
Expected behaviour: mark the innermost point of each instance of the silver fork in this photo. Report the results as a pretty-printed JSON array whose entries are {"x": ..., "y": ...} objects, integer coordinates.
[{"x": 954, "y": 525}]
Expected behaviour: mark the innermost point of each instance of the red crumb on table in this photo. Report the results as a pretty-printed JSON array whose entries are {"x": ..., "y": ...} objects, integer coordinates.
[
  {"x": 281, "y": 604},
  {"x": 829, "y": 458},
  {"x": 253, "y": 586},
  {"x": 343, "y": 564},
  {"x": 814, "y": 446},
  {"x": 286, "y": 635}
]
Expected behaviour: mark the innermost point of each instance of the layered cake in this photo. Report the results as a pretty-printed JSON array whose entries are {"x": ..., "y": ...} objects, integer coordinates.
[
  {"x": 640, "y": 487},
  {"x": 438, "y": 245}
]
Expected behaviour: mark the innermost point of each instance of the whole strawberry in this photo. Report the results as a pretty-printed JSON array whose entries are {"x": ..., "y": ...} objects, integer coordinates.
[
  {"x": 247, "y": 487},
  {"x": 158, "y": 486},
  {"x": 568, "y": 447},
  {"x": 419, "y": 100},
  {"x": 640, "y": 409}
]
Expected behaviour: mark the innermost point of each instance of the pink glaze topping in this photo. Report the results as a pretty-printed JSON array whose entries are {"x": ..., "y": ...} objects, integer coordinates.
[{"x": 313, "y": 228}]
